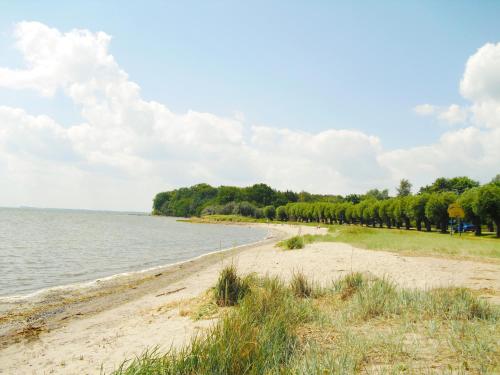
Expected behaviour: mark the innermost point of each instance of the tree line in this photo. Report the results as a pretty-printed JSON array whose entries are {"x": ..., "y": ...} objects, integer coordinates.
[{"x": 424, "y": 210}]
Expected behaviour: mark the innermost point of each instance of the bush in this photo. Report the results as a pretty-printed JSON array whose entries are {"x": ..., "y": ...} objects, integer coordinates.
[
  {"x": 244, "y": 209},
  {"x": 281, "y": 213},
  {"x": 295, "y": 242},
  {"x": 230, "y": 288},
  {"x": 270, "y": 212}
]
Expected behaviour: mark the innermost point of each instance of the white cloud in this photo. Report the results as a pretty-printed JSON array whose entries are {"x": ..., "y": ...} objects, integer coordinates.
[
  {"x": 425, "y": 109},
  {"x": 126, "y": 149},
  {"x": 452, "y": 115}
]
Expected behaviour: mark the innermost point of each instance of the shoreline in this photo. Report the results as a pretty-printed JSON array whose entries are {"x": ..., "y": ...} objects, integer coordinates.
[
  {"x": 82, "y": 285},
  {"x": 47, "y": 308},
  {"x": 96, "y": 331}
]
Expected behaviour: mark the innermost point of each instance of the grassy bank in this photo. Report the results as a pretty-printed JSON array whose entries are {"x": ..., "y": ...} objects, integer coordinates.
[
  {"x": 356, "y": 325},
  {"x": 412, "y": 242},
  {"x": 407, "y": 242}
]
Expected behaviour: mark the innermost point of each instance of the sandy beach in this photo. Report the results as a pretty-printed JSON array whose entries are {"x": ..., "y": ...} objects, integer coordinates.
[{"x": 84, "y": 330}]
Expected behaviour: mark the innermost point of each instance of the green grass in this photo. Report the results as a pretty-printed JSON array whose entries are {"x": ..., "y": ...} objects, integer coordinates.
[
  {"x": 225, "y": 218},
  {"x": 230, "y": 288},
  {"x": 356, "y": 325},
  {"x": 292, "y": 243},
  {"x": 411, "y": 242}
]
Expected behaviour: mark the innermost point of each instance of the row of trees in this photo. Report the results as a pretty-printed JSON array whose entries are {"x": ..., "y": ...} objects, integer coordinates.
[
  {"x": 428, "y": 208},
  {"x": 481, "y": 206}
]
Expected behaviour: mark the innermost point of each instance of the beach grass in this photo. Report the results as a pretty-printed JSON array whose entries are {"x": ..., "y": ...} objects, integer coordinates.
[
  {"x": 292, "y": 243},
  {"x": 359, "y": 324}
]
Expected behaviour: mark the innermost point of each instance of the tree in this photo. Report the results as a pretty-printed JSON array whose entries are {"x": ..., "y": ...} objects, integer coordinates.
[
  {"x": 377, "y": 194},
  {"x": 404, "y": 188},
  {"x": 384, "y": 212},
  {"x": 226, "y": 194},
  {"x": 496, "y": 180},
  {"x": 455, "y": 184},
  {"x": 260, "y": 194},
  {"x": 281, "y": 213},
  {"x": 353, "y": 198},
  {"x": 488, "y": 204},
  {"x": 402, "y": 211},
  {"x": 269, "y": 212},
  {"x": 160, "y": 203},
  {"x": 244, "y": 209},
  {"x": 437, "y": 208},
  {"x": 469, "y": 203},
  {"x": 417, "y": 211}
]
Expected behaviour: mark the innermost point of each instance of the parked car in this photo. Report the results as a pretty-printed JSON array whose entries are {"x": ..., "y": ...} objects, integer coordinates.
[{"x": 464, "y": 227}]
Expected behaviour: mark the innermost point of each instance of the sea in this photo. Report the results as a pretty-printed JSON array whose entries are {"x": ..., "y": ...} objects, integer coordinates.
[{"x": 46, "y": 248}]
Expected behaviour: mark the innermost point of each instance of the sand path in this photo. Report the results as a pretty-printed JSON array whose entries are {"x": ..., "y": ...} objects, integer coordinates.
[{"x": 82, "y": 344}]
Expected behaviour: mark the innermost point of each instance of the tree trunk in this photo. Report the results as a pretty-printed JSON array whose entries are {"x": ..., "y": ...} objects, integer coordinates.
[
  {"x": 389, "y": 225},
  {"x": 427, "y": 225},
  {"x": 497, "y": 223},
  {"x": 490, "y": 227},
  {"x": 444, "y": 225},
  {"x": 419, "y": 225},
  {"x": 477, "y": 226},
  {"x": 398, "y": 224},
  {"x": 407, "y": 223}
]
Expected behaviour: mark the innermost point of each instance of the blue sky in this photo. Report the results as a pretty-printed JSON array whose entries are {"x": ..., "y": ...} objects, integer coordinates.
[
  {"x": 301, "y": 65},
  {"x": 307, "y": 67}
]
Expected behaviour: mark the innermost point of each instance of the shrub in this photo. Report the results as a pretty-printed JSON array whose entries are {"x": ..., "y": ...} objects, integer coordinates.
[
  {"x": 270, "y": 212},
  {"x": 230, "y": 288},
  {"x": 295, "y": 242}
]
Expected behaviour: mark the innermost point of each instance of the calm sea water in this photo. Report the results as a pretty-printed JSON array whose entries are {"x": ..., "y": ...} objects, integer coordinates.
[{"x": 42, "y": 248}]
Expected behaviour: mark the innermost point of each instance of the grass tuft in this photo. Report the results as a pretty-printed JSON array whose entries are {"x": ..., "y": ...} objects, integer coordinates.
[
  {"x": 295, "y": 242},
  {"x": 300, "y": 286},
  {"x": 230, "y": 288},
  {"x": 358, "y": 325}
]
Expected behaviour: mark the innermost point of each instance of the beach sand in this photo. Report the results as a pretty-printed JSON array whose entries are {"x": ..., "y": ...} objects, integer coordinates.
[{"x": 78, "y": 331}]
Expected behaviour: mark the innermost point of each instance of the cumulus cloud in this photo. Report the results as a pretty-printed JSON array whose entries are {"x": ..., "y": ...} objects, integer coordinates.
[
  {"x": 126, "y": 149},
  {"x": 452, "y": 115}
]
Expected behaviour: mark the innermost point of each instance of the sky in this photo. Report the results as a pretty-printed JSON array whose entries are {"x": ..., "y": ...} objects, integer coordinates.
[{"x": 103, "y": 104}]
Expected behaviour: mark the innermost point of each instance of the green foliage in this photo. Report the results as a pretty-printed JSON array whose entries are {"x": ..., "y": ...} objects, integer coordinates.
[
  {"x": 429, "y": 208},
  {"x": 488, "y": 204},
  {"x": 296, "y": 242},
  {"x": 269, "y": 212},
  {"x": 281, "y": 213},
  {"x": 437, "y": 208},
  {"x": 377, "y": 194},
  {"x": 457, "y": 185},
  {"x": 404, "y": 188}
]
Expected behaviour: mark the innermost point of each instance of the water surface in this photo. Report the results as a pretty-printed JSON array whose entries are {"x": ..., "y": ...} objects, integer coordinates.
[{"x": 42, "y": 248}]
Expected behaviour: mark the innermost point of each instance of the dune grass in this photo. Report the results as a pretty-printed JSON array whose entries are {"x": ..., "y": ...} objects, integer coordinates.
[
  {"x": 357, "y": 325},
  {"x": 292, "y": 243},
  {"x": 412, "y": 242}
]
